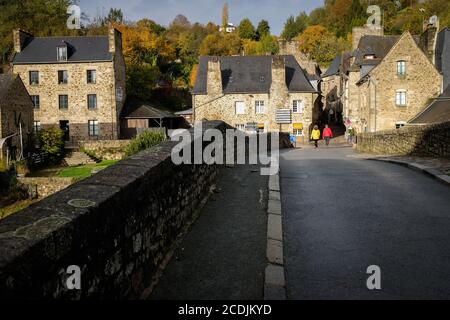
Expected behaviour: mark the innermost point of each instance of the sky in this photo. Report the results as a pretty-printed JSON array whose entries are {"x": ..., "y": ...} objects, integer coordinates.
[{"x": 203, "y": 11}]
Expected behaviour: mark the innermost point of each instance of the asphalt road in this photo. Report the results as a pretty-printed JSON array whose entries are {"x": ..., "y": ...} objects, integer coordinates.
[
  {"x": 223, "y": 257},
  {"x": 342, "y": 214}
]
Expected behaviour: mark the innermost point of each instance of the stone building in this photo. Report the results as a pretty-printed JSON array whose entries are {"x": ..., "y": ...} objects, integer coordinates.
[
  {"x": 255, "y": 93},
  {"x": 75, "y": 83},
  {"x": 396, "y": 88},
  {"x": 386, "y": 80},
  {"x": 16, "y": 117}
]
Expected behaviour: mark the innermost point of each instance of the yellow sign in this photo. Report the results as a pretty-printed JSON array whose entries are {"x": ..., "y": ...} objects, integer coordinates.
[
  {"x": 261, "y": 126},
  {"x": 298, "y": 126}
]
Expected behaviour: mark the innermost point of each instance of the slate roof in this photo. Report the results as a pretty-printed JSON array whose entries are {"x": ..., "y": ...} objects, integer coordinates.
[
  {"x": 251, "y": 74},
  {"x": 334, "y": 67},
  {"x": 144, "y": 111},
  {"x": 443, "y": 54},
  {"x": 376, "y": 45},
  {"x": 438, "y": 111},
  {"x": 81, "y": 49}
]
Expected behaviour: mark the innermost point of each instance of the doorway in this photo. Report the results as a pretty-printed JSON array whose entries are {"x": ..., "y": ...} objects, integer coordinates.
[{"x": 64, "y": 126}]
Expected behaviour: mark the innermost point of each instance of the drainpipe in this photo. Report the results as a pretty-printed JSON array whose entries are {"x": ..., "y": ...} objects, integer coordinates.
[{"x": 375, "y": 101}]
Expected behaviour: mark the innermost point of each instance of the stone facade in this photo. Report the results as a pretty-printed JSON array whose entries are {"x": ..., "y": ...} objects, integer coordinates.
[
  {"x": 218, "y": 106},
  {"x": 15, "y": 107},
  {"x": 109, "y": 89},
  {"x": 292, "y": 48},
  {"x": 424, "y": 141},
  {"x": 378, "y": 108}
]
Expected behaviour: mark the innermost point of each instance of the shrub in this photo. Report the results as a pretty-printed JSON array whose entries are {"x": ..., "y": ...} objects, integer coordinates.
[
  {"x": 51, "y": 141},
  {"x": 143, "y": 141}
]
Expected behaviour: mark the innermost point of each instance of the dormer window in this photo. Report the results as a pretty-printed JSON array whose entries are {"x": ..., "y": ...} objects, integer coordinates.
[
  {"x": 262, "y": 79},
  {"x": 369, "y": 57},
  {"x": 62, "y": 53}
]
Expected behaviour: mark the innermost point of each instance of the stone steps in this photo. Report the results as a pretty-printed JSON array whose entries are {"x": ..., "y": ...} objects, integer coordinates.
[{"x": 78, "y": 158}]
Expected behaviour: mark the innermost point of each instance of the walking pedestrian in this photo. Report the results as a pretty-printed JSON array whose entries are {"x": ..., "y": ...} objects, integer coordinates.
[
  {"x": 350, "y": 134},
  {"x": 327, "y": 135},
  {"x": 315, "y": 136}
]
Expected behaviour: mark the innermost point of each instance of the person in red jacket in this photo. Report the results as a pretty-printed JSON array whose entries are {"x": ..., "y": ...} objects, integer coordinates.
[{"x": 327, "y": 135}]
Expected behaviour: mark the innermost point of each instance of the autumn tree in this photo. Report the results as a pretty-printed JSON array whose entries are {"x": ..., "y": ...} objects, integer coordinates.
[
  {"x": 246, "y": 29},
  {"x": 221, "y": 44},
  {"x": 114, "y": 16}
]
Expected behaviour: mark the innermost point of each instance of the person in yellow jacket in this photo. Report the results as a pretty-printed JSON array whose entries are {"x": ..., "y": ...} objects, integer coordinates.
[{"x": 315, "y": 136}]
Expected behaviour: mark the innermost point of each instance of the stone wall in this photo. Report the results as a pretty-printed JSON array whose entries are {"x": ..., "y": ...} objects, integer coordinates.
[
  {"x": 117, "y": 226},
  {"x": 426, "y": 141},
  {"x": 46, "y": 186},
  {"x": 15, "y": 105},
  {"x": 106, "y": 149}
]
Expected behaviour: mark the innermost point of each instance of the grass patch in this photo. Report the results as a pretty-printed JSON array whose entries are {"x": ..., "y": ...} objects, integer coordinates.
[
  {"x": 14, "y": 208},
  {"x": 82, "y": 172}
]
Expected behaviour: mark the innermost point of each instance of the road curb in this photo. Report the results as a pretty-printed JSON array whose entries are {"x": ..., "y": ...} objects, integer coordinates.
[
  {"x": 275, "y": 280},
  {"x": 419, "y": 168}
]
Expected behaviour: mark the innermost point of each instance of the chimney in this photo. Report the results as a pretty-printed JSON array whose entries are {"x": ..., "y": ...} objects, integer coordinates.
[
  {"x": 428, "y": 40},
  {"x": 214, "y": 79},
  {"x": 115, "y": 40},
  {"x": 278, "y": 73},
  {"x": 359, "y": 32},
  {"x": 19, "y": 39}
]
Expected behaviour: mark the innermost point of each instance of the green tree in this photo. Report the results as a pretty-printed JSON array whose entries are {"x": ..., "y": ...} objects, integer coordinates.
[
  {"x": 262, "y": 29},
  {"x": 295, "y": 26},
  {"x": 225, "y": 16},
  {"x": 51, "y": 141},
  {"x": 114, "y": 16},
  {"x": 246, "y": 29}
]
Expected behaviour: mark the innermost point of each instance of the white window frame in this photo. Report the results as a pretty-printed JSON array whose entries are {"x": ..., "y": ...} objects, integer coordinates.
[
  {"x": 93, "y": 74},
  {"x": 260, "y": 107},
  {"x": 62, "y": 53},
  {"x": 93, "y": 128},
  {"x": 33, "y": 72},
  {"x": 401, "y": 67},
  {"x": 401, "y": 98},
  {"x": 36, "y": 126},
  {"x": 241, "y": 106},
  {"x": 36, "y": 99},
  {"x": 296, "y": 108},
  {"x": 297, "y": 132},
  {"x": 240, "y": 127}
]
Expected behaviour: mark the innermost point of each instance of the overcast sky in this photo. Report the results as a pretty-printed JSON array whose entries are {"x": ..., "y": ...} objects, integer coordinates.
[{"x": 164, "y": 11}]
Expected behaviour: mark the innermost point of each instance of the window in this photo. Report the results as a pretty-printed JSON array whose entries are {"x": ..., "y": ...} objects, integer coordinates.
[
  {"x": 297, "y": 129},
  {"x": 92, "y": 76},
  {"x": 36, "y": 102},
  {"x": 34, "y": 77},
  {"x": 400, "y": 124},
  {"x": 63, "y": 77},
  {"x": 93, "y": 128},
  {"x": 63, "y": 102},
  {"x": 92, "y": 101},
  {"x": 369, "y": 57},
  {"x": 297, "y": 106},
  {"x": 240, "y": 107},
  {"x": 401, "y": 68},
  {"x": 37, "y": 126},
  {"x": 240, "y": 127},
  {"x": 262, "y": 79},
  {"x": 62, "y": 53},
  {"x": 260, "y": 107},
  {"x": 400, "y": 98}
]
